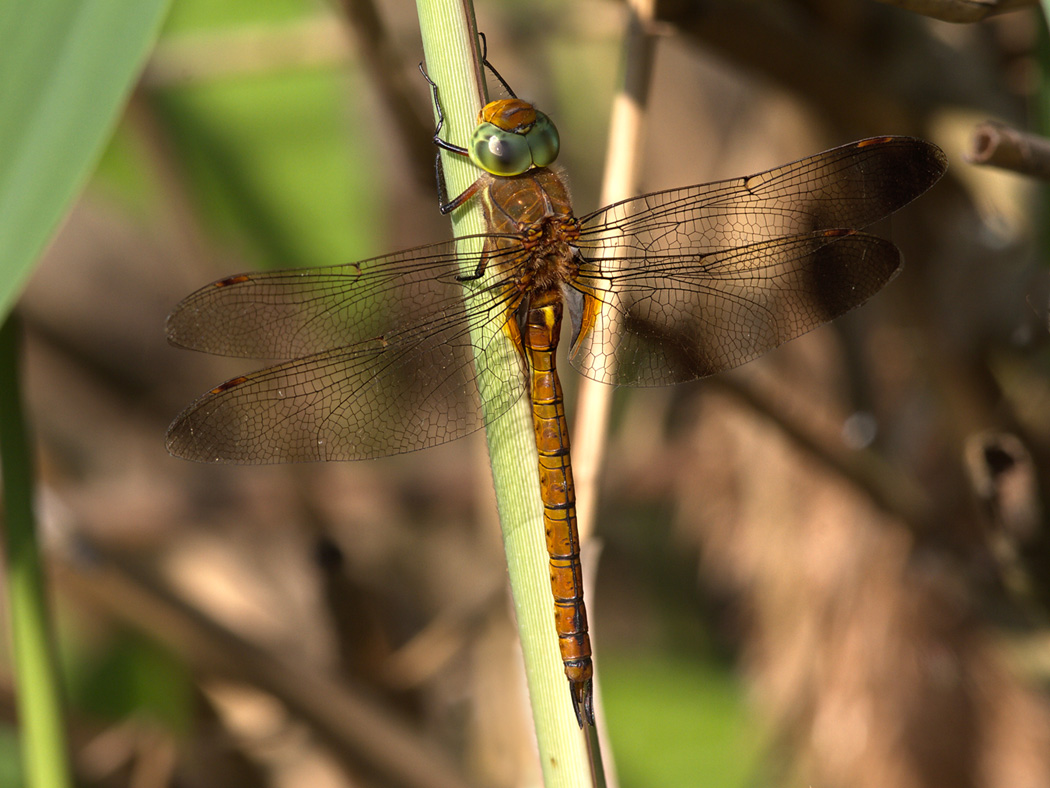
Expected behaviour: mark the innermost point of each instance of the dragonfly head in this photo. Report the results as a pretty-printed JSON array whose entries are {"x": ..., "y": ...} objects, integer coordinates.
[{"x": 512, "y": 137}]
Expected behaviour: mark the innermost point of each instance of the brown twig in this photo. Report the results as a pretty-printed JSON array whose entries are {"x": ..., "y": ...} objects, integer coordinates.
[
  {"x": 843, "y": 76},
  {"x": 622, "y": 164},
  {"x": 960, "y": 10},
  {"x": 357, "y": 729},
  {"x": 998, "y": 145},
  {"x": 866, "y": 470}
]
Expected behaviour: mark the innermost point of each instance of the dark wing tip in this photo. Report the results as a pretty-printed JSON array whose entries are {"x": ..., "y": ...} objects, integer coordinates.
[{"x": 915, "y": 164}]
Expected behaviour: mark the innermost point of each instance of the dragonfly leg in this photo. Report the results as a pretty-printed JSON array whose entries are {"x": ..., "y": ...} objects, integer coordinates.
[
  {"x": 478, "y": 272},
  {"x": 445, "y": 205},
  {"x": 490, "y": 67},
  {"x": 441, "y": 118}
]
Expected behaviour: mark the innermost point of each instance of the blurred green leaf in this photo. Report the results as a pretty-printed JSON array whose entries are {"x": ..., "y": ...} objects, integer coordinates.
[
  {"x": 133, "y": 675},
  {"x": 677, "y": 721},
  {"x": 278, "y": 165},
  {"x": 10, "y": 759},
  {"x": 66, "y": 69},
  {"x": 189, "y": 16}
]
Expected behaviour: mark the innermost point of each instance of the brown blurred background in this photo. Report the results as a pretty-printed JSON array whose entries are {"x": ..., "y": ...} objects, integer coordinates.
[{"x": 826, "y": 568}]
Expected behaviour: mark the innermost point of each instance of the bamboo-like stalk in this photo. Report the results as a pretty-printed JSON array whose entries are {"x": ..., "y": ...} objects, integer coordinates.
[
  {"x": 622, "y": 164},
  {"x": 620, "y": 182},
  {"x": 42, "y": 733},
  {"x": 452, "y": 58}
]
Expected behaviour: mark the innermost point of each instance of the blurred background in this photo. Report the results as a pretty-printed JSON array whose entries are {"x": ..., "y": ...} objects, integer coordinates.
[{"x": 826, "y": 568}]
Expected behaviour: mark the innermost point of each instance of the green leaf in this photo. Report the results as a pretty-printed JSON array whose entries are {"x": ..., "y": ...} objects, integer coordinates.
[
  {"x": 656, "y": 700},
  {"x": 66, "y": 69}
]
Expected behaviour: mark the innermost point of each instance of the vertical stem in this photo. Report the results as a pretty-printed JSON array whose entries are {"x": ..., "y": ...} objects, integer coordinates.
[
  {"x": 622, "y": 164},
  {"x": 452, "y": 56},
  {"x": 43, "y": 737}
]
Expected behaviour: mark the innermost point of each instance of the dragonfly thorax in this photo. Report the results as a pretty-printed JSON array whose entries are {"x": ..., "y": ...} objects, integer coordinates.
[
  {"x": 550, "y": 262},
  {"x": 533, "y": 214}
]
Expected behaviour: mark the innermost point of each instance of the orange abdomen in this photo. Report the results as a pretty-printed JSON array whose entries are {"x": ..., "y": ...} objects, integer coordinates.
[{"x": 540, "y": 339}]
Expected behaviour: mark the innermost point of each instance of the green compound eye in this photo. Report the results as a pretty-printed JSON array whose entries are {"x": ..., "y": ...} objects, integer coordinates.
[
  {"x": 504, "y": 152},
  {"x": 543, "y": 141},
  {"x": 499, "y": 152}
]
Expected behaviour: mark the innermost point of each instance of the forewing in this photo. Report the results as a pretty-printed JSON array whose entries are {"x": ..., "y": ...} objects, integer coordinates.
[
  {"x": 294, "y": 313},
  {"x": 419, "y": 380},
  {"x": 685, "y": 283},
  {"x": 680, "y": 317},
  {"x": 849, "y": 187}
]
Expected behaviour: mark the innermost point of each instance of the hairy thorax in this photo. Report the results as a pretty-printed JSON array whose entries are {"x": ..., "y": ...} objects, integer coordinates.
[{"x": 536, "y": 207}]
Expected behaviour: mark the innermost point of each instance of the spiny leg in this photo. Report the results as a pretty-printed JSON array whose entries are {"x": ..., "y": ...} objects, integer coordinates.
[{"x": 445, "y": 205}]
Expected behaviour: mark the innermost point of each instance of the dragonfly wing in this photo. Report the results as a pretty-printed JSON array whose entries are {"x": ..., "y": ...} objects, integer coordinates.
[
  {"x": 677, "y": 317},
  {"x": 685, "y": 283},
  {"x": 418, "y": 379},
  {"x": 851, "y": 187},
  {"x": 298, "y": 312},
  {"x": 370, "y": 400}
]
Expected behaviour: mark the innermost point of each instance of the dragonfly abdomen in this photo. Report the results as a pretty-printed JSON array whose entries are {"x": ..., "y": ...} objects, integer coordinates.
[{"x": 540, "y": 339}]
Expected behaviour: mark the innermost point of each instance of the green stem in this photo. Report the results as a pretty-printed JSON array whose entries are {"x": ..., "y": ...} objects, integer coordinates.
[
  {"x": 43, "y": 737},
  {"x": 450, "y": 46}
]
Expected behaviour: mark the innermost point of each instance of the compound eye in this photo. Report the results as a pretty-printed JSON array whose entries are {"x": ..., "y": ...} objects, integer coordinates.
[
  {"x": 500, "y": 152},
  {"x": 543, "y": 141}
]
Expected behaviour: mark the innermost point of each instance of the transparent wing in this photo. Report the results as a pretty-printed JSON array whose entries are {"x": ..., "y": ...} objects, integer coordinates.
[
  {"x": 294, "y": 313},
  {"x": 691, "y": 317},
  {"x": 849, "y": 187},
  {"x": 383, "y": 359},
  {"x": 685, "y": 283}
]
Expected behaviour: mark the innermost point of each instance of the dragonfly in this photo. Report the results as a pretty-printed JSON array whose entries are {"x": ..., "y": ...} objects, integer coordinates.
[{"x": 413, "y": 349}]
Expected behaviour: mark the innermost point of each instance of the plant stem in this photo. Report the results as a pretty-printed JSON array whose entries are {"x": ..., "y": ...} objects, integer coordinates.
[
  {"x": 43, "y": 737},
  {"x": 452, "y": 56}
]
